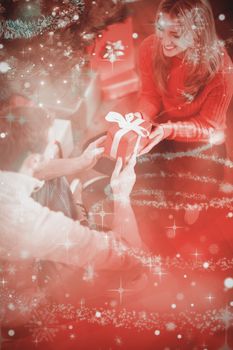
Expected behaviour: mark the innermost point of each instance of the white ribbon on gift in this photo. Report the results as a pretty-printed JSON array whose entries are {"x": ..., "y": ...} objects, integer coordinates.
[{"x": 126, "y": 124}]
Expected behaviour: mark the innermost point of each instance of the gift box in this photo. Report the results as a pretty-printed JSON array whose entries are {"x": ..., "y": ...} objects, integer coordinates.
[
  {"x": 128, "y": 135},
  {"x": 114, "y": 50},
  {"x": 114, "y": 59}
]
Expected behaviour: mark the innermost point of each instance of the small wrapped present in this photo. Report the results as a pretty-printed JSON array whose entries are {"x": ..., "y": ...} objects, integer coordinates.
[
  {"x": 114, "y": 59},
  {"x": 114, "y": 50},
  {"x": 129, "y": 135}
]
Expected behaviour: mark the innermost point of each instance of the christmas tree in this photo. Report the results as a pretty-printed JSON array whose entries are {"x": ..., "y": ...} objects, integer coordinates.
[{"x": 45, "y": 46}]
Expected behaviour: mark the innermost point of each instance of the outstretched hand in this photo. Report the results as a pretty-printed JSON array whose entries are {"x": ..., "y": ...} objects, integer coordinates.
[
  {"x": 123, "y": 180},
  {"x": 155, "y": 137},
  {"x": 92, "y": 153}
]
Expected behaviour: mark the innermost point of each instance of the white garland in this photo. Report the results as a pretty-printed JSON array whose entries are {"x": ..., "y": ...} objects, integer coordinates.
[{"x": 25, "y": 29}]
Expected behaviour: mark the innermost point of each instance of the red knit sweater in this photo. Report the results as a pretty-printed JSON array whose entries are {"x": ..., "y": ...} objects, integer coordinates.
[{"x": 184, "y": 121}]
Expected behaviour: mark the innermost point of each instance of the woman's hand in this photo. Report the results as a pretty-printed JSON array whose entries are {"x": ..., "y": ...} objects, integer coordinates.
[
  {"x": 92, "y": 153},
  {"x": 155, "y": 137},
  {"x": 122, "y": 181}
]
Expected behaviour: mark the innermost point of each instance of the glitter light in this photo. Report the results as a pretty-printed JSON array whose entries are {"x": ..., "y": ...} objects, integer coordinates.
[
  {"x": 120, "y": 290},
  {"x": 222, "y": 17},
  {"x": 210, "y": 298},
  {"x": 11, "y": 332},
  {"x": 3, "y": 135},
  {"x": 206, "y": 265},
  {"x": 4, "y": 67},
  {"x": 174, "y": 227},
  {"x": 228, "y": 283},
  {"x": 3, "y": 282},
  {"x": 196, "y": 254}
]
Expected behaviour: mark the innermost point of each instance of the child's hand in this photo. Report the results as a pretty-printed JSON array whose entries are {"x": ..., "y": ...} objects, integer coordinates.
[
  {"x": 92, "y": 153},
  {"x": 122, "y": 181}
]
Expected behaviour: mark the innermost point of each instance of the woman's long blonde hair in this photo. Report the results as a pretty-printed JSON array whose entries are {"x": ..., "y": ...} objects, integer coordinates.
[{"x": 204, "y": 57}]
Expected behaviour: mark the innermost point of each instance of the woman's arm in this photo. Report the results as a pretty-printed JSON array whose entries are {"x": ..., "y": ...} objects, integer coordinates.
[
  {"x": 210, "y": 121},
  {"x": 207, "y": 126}
]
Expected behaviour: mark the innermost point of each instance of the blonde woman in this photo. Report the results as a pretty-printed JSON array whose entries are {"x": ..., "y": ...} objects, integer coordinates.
[{"x": 186, "y": 83}]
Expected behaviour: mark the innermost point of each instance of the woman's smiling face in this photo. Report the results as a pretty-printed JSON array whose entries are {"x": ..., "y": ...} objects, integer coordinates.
[{"x": 173, "y": 38}]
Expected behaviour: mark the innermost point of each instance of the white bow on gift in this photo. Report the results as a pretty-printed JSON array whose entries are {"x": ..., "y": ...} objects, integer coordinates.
[{"x": 126, "y": 124}]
